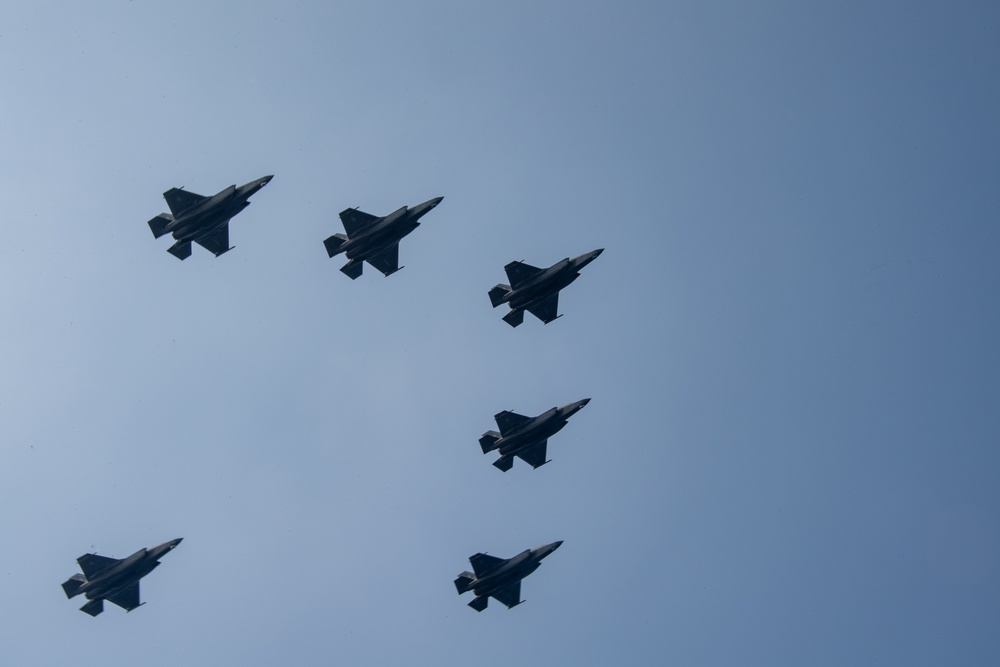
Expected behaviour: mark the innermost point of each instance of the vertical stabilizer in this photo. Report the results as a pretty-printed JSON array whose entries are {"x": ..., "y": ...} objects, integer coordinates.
[
  {"x": 498, "y": 293},
  {"x": 464, "y": 582},
  {"x": 158, "y": 225},
  {"x": 72, "y": 585},
  {"x": 489, "y": 441},
  {"x": 333, "y": 244}
]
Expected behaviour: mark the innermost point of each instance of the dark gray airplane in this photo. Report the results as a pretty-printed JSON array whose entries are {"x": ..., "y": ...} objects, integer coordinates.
[
  {"x": 526, "y": 437},
  {"x": 500, "y": 578},
  {"x": 373, "y": 239},
  {"x": 204, "y": 220},
  {"x": 537, "y": 290},
  {"x": 114, "y": 580}
]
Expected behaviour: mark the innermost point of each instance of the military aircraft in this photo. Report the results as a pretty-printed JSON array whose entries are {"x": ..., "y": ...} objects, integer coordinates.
[
  {"x": 537, "y": 290},
  {"x": 501, "y": 578},
  {"x": 204, "y": 220},
  {"x": 114, "y": 580},
  {"x": 373, "y": 239},
  {"x": 526, "y": 437}
]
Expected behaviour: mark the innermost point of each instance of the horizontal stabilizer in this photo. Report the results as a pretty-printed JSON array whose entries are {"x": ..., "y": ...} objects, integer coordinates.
[
  {"x": 489, "y": 441},
  {"x": 479, "y": 603},
  {"x": 180, "y": 250},
  {"x": 333, "y": 244},
  {"x": 464, "y": 582},
  {"x": 72, "y": 585},
  {"x": 504, "y": 463},
  {"x": 514, "y": 317},
  {"x": 353, "y": 269},
  {"x": 94, "y": 607},
  {"x": 497, "y": 293},
  {"x": 158, "y": 225}
]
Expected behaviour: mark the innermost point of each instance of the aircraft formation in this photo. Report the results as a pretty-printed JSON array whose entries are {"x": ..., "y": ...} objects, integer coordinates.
[{"x": 375, "y": 240}]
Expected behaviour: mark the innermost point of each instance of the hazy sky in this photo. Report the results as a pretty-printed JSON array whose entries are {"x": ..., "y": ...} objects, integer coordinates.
[{"x": 791, "y": 455}]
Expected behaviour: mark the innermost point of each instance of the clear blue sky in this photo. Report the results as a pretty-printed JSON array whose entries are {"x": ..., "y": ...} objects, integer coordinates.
[{"x": 791, "y": 455}]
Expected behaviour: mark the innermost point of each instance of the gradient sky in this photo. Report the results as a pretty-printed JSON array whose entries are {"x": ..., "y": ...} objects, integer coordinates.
[{"x": 791, "y": 455}]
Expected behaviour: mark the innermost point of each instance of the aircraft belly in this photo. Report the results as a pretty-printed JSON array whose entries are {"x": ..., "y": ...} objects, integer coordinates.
[{"x": 517, "y": 445}]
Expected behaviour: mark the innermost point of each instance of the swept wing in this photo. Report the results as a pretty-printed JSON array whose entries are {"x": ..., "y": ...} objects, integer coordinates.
[
  {"x": 547, "y": 309},
  {"x": 216, "y": 242},
  {"x": 127, "y": 598},
  {"x": 92, "y": 564},
  {"x": 510, "y": 595},
  {"x": 508, "y": 421},
  {"x": 535, "y": 456},
  {"x": 181, "y": 200},
  {"x": 355, "y": 220},
  {"x": 386, "y": 261},
  {"x": 519, "y": 273},
  {"x": 481, "y": 563}
]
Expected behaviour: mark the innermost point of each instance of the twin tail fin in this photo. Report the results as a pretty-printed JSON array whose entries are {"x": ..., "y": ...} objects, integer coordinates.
[
  {"x": 333, "y": 244},
  {"x": 72, "y": 585},
  {"x": 158, "y": 225},
  {"x": 464, "y": 582},
  {"x": 489, "y": 441},
  {"x": 498, "y": 293}
]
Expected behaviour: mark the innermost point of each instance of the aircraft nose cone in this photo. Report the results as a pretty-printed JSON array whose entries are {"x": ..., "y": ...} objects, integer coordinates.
[
  {"x": 434, "y": 202},
  {"x": 549, "y": 548},
  {"x": 587, "y": 257},
  {"x": 266, "y": 179},
  {"x": 582, "y": 403},
  {"x": 174, "y": 543}
]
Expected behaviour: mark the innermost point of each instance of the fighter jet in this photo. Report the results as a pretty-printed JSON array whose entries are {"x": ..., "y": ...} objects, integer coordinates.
[
  {"x": 204, "y": 220},
  {"x": 500, "y": 578},
  {"x": 526, "y": 437},
  {"x": 537, "y": 290},
  {"x": 114, "y": 580},
  {"x": 373, "y": 239}
]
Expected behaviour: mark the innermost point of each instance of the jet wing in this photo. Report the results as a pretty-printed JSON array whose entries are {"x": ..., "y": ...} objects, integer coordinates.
[
  {"x": 519, "y": 273},
  {"x": 510, "y": 596},
  {"x": 508, "y": 421},
  {"x": 217, "y": 242},
  {"x": 127, "y": 598},
  {"x": 481, "y": 563},
  {"x": 547, "y": 309},
  {"x": 535, "y": 456},
  {"x": 92, "y": 564},
  {"x": 386, "y": 261},
  {"x": 181, "y": 200},
  {"x": 355, "y": 220}
]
